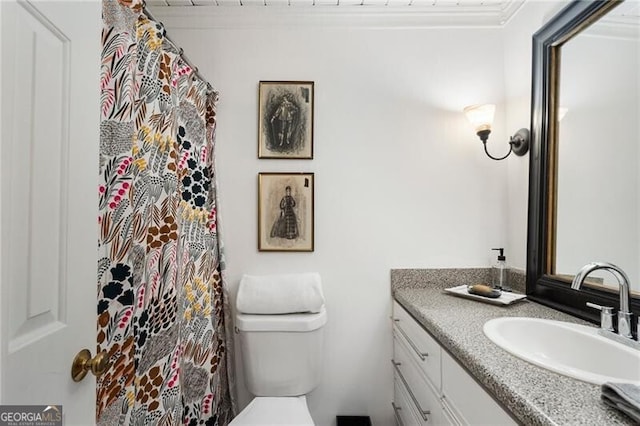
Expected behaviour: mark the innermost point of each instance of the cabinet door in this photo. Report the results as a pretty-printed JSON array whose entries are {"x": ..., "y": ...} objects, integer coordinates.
[{"x": 468, "y": 401}]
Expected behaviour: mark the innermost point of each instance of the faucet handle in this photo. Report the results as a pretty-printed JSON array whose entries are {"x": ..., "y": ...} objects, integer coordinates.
[
  {"x": 604, "y": 309},
  {"x": 606, "y": 315},
  {"x": 624, "y": 324}
]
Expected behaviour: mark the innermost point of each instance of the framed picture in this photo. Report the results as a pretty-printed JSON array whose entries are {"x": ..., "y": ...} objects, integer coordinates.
[
  {"x": 285, "y": 128},
  {"x": 285, "y": 211}
]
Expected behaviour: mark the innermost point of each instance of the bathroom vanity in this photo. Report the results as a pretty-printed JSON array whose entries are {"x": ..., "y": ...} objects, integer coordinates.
[
  {"x": 430, "y": 387},
  {"x": 447, "y": 372}
]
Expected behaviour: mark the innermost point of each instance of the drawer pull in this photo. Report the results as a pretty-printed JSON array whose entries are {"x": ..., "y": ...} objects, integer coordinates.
[
  {"x": 423, "y": 413},
  {"x": 423, "y": 355},
  {"x": 397, "y": 416}
]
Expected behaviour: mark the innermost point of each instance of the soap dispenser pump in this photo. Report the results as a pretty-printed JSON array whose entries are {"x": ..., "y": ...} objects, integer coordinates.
[{"x": 499, "y": 271}]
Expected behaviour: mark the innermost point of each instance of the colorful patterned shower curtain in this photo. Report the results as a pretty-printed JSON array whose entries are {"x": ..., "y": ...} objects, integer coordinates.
[{"x": 161, "y": 299}]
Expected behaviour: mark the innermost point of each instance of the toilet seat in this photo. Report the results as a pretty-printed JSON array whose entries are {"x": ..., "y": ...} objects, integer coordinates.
[{"x": 275, "y": 411}]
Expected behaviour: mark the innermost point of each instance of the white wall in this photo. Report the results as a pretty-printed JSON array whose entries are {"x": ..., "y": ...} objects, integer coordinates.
[{"x": 401, "y": 178}]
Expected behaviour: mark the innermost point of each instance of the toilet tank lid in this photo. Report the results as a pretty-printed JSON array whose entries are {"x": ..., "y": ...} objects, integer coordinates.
[{"x": 281, "y": 322}]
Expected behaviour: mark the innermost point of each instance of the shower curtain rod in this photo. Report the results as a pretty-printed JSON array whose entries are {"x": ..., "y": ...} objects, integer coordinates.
[{"x": 179, "y": 49}]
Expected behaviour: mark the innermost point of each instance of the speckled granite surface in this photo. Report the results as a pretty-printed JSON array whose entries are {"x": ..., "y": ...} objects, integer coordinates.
[
  {"x": 443, "y": 278},
  {"x": 533, "y": 395}
]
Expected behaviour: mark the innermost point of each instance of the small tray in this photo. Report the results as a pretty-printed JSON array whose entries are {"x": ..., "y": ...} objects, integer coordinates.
[{"x": 506, "y": 298}]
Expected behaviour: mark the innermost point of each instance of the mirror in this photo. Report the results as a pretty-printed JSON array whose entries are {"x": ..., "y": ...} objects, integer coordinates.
[
  {"x": 597, "y": 216},
  {"x": 584, "y": 186}
]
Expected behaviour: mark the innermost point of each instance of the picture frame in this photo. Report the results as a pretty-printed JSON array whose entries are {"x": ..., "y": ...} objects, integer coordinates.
[
  {"x": 285, "y": 119},
  {"x": 286, "y": 211}
]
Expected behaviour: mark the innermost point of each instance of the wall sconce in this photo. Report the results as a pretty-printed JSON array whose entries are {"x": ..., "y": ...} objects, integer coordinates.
[{"x": 481, "y": 117}]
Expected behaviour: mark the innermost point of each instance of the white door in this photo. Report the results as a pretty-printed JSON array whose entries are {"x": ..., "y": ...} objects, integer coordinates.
[{"x": 50, "y": 56}]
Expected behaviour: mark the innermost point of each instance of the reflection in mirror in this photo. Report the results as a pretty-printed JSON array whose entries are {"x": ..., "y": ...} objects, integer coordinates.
[{"x": 598, "y": 178}]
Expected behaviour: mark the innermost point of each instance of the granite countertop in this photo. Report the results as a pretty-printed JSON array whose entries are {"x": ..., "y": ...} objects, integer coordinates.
[{"x": 533, "y": 395}]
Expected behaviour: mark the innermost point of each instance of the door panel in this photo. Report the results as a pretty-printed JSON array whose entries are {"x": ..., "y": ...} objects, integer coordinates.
[
  {"x": 38, "y": 182},
  {"x": 49, "y": 152}
]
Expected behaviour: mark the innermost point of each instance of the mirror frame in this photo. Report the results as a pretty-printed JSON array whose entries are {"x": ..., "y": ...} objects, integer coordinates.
[{"x": 542, "y": 286}]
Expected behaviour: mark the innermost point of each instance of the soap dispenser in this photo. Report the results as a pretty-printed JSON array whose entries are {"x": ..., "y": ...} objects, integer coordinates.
[{"x": 499, "y": 271}]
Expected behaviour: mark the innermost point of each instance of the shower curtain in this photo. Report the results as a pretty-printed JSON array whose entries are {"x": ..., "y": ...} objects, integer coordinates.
[{"x": 161, "y": 298}]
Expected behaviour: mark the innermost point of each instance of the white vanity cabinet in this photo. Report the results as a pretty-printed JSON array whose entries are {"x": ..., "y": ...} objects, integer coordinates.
[
  {"x": 430, "y": 387},
  {"x": 417, "y": 372}
]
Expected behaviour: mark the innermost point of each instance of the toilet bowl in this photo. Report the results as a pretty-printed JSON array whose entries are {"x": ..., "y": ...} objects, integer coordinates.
[
  {"x": 282, "y": 359},
  {"x": 275, "y": 411}
]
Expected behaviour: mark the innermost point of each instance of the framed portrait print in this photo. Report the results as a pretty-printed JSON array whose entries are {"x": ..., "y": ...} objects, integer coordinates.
[
  {"x": 285, "y": 211},
  {"x": 285, "y": 123}
]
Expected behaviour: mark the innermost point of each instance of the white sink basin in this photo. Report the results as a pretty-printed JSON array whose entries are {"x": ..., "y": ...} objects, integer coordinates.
[{"x": 573, "y": 350}]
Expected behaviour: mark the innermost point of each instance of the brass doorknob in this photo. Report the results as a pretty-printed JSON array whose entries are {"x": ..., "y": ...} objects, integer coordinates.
[{"x": 83, "y": 363}]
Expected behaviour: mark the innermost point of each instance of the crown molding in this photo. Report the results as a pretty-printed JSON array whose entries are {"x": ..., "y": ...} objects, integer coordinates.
[
  {"x": 325, "y": 16},
  {"x": 619, "y": 27}
]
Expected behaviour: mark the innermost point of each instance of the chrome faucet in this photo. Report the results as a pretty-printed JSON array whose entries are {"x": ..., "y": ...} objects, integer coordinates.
[{"x": 624, "y": 316}]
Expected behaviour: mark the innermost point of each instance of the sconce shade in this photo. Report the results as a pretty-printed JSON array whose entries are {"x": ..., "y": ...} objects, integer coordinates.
[
  {"x": 480, "y": 116},
  {"x": 562, "y": 111}
]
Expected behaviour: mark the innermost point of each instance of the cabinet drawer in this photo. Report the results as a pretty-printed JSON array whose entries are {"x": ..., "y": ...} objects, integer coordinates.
[
  {"x": 469, "y": 402},
  {"x": 405, "y": 415},
  {"x": 423, "y": 348},
  {"x": 422, "y": 395}
]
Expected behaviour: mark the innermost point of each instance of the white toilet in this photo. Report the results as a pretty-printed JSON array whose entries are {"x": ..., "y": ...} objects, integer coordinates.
[{"x": 282, "y": 360}]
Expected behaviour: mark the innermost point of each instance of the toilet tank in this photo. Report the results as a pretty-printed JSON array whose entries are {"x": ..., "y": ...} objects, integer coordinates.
[{"x": 281, "y": 354}]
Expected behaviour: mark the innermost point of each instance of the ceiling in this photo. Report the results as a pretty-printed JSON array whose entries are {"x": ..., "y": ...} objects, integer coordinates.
[
  {"x": 377, "y": 12},
  {"x": 381, "y": 12},
  {"x": 459, "y": 5}
]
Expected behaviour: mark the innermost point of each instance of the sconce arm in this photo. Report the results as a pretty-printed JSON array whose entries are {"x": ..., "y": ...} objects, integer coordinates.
[
  {"x": 518, "y": 143},
  {"x": 496, "y": 158}
]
